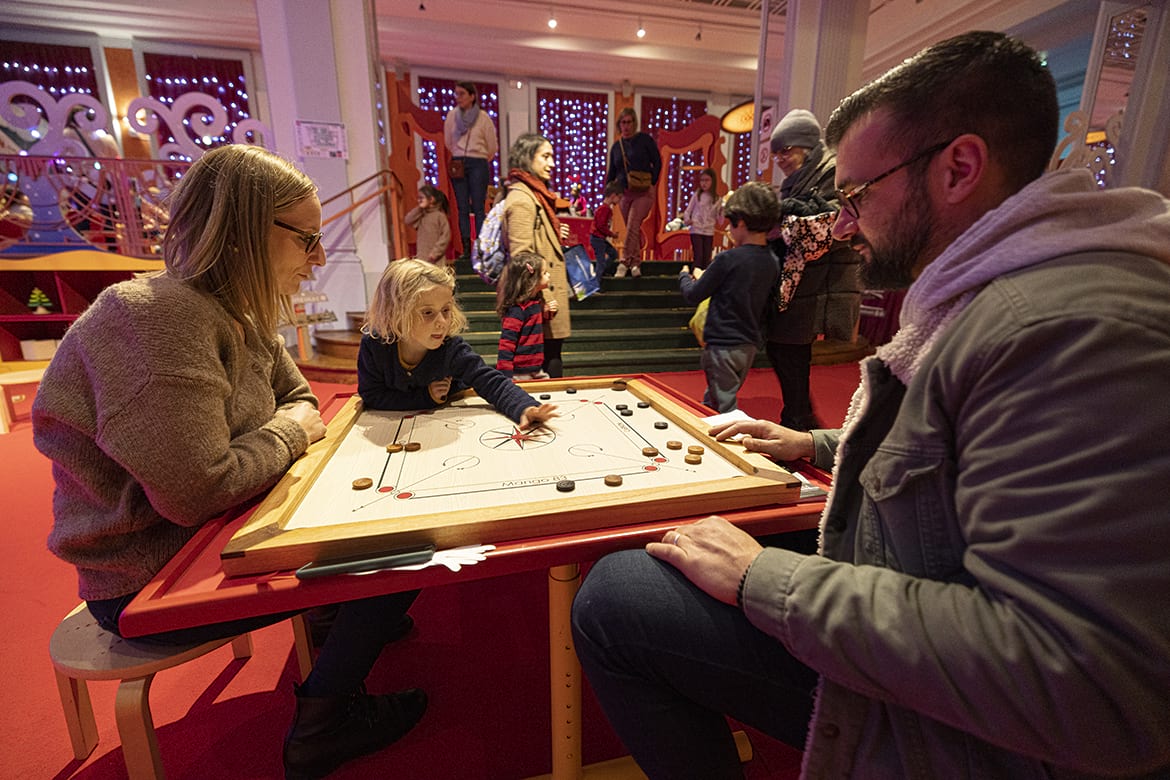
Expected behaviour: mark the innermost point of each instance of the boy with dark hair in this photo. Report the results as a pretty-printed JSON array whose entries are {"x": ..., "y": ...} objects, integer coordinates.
[
  {"x": 604, "y": 253},
  {"x": 739, "y": 283}
]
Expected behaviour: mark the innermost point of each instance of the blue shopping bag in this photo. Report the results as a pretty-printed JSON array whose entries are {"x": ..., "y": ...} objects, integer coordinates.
[{"x": 582, "y": 277}]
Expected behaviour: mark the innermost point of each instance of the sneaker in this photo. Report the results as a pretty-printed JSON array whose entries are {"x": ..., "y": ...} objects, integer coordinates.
[
  {"x": 636, "y": 271},
  {"x": 621, "y": 270}
]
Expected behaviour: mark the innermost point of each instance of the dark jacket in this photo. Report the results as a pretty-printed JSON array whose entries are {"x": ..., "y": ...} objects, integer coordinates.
[
  {"x": 828, "y": 298},
  {"x": 383, "y": 383},
  {"x": 739, "y": 285},
  {"x": 642, "y": 154}
]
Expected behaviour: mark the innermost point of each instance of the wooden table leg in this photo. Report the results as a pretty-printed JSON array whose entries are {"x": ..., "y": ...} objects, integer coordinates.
[{"x": 564, "y": 673}]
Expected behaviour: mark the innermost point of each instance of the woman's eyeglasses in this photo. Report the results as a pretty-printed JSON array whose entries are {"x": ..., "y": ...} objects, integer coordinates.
[
  {"x": 849, "y": 200},
  {"x": 312, "y": 240}
]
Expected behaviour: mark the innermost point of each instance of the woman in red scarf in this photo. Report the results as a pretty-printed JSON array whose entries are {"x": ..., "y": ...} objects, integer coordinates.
[{"x": 532, "y": 226}]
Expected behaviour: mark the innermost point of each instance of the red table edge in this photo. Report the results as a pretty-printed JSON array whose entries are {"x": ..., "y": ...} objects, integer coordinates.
[{"x": 157, "y": 609}]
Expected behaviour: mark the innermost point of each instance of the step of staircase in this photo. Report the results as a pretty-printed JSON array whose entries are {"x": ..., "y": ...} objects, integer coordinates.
[{"x": 633, "y": 325}]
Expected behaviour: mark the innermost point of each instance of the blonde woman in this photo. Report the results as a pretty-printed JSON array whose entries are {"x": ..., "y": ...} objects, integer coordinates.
[{"x": 173, "y": 400}]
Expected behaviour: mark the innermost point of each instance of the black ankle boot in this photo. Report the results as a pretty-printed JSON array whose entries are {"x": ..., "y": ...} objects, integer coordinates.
[{"x": 327, "y": 731}]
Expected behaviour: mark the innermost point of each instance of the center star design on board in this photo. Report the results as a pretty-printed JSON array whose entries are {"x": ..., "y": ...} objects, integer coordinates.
[{"x": 514, "y": 437}]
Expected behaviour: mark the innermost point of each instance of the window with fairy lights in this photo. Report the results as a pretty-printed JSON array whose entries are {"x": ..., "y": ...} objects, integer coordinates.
[
  {"x": 680, "y": 171},
  {"x": 577, "y": 125},
  {"x": 170, "y": 76},
  {"x": 59, "y": 70},
  {"x": 56, "y": 69},
  {"x": 439, "y": 95}
]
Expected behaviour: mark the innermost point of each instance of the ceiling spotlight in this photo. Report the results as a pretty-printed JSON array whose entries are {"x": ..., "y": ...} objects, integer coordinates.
[
  {"x": 552, "y": 20},
  {"x": 641, "y": 30}
]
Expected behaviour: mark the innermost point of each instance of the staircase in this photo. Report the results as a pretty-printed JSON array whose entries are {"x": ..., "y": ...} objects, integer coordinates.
[{"x": 632, "y": 326}]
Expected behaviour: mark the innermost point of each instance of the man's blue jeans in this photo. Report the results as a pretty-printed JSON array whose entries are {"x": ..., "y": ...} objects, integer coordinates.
[{"x": 668, "y": 662}]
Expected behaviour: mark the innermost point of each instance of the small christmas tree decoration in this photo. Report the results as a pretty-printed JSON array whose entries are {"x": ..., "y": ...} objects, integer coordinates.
[{"x": 39, "y": 302}]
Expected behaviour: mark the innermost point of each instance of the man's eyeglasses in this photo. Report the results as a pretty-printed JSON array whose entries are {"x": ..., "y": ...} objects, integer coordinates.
[
  {"x": 849, "y": 200},
  {"x": 312, "y": 240}
]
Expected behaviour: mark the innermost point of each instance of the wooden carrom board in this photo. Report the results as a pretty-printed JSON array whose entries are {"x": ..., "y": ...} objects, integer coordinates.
[{"x": 476, "y": 479}]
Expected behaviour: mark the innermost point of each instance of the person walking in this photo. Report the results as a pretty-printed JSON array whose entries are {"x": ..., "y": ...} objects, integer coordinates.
[
  {"x": 828, "y": 298},
  {"x": 635, "y": 162},
  {"x": 472, "y": 141}
]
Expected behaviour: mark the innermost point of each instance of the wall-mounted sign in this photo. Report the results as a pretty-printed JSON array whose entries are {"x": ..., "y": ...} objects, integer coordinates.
[{"x": 322, "y": 139}]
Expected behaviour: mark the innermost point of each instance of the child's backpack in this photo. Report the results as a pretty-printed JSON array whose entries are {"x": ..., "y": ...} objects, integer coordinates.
[{"x": 490, "y": 253}]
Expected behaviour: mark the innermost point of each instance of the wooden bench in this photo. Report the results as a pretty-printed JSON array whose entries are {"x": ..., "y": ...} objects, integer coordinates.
[{"x": 82, "y": 650}]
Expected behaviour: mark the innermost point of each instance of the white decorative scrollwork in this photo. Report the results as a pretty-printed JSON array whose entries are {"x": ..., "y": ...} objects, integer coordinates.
[
  {"x": 193, "y": 116},
  {"x": 258, "y": 131},
  {"x": 50, "y": 126},
  {"x": 1075, "y": 150}
]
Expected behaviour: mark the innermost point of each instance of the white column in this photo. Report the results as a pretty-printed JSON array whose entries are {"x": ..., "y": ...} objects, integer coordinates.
[
  {"x": 824, "y": 46},
  {"x": 321, "y": 65}
]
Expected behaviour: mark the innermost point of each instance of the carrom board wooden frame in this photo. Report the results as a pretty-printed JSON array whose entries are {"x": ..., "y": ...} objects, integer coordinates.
[{"x": 264, "y": 544}]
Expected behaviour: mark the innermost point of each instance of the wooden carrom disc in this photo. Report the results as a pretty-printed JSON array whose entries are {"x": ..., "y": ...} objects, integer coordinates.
[
  {"x": 613, "y": 480},
  {"x": 363, "y": 483}
]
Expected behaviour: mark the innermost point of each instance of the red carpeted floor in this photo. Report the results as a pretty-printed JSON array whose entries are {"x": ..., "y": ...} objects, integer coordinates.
[{"x": 480, "y": 651}]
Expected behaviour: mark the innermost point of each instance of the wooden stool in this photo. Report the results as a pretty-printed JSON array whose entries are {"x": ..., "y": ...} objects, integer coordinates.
[
  {"x": 82, "y": 650},
  {"x": 14, "y": 379}
]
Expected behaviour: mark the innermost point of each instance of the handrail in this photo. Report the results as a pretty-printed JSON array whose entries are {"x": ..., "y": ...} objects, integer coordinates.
[
  {"x": 394, "y": 207},
  {"x": 371, "y": 177}
]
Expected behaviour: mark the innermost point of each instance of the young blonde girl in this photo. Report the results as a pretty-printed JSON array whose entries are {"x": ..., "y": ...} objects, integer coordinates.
[
  {"x": 701, "y": 214},
  {"x": 429, "y": 219},
  {"x": 522, "y": 311},
  {"x": 411, "y": 358}
]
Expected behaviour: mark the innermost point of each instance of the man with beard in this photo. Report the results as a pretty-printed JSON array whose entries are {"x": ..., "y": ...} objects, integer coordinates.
[{"x": 989, "y": 599}]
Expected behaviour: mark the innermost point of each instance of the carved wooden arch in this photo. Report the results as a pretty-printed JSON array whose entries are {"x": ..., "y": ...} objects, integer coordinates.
[
  {"x": 407, "y": 120},
  {"x": 705, "y": 135}
]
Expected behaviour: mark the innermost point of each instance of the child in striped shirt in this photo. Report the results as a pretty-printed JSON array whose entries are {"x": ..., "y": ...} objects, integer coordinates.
[{"x": 523, "y": 312}]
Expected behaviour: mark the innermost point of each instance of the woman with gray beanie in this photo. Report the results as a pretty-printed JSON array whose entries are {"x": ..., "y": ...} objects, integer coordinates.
[{"x": 828, "y": 298}]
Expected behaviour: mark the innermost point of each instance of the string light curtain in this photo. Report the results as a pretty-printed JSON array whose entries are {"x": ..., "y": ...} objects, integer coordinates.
[
  {"x": 169, "y": 76},
  {"x": 59, "y": 70},
  {"x": 674, "y": 114},
  {"x": 577, "y": 124},
  {"x": 741, "y": 165},
  {"x": 439, "y": 95}
]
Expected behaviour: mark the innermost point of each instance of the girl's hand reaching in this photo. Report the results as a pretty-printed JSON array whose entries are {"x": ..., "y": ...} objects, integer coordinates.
[
  {"x": 535, "y": 416},
  {"x": 439, "y": 389}
]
